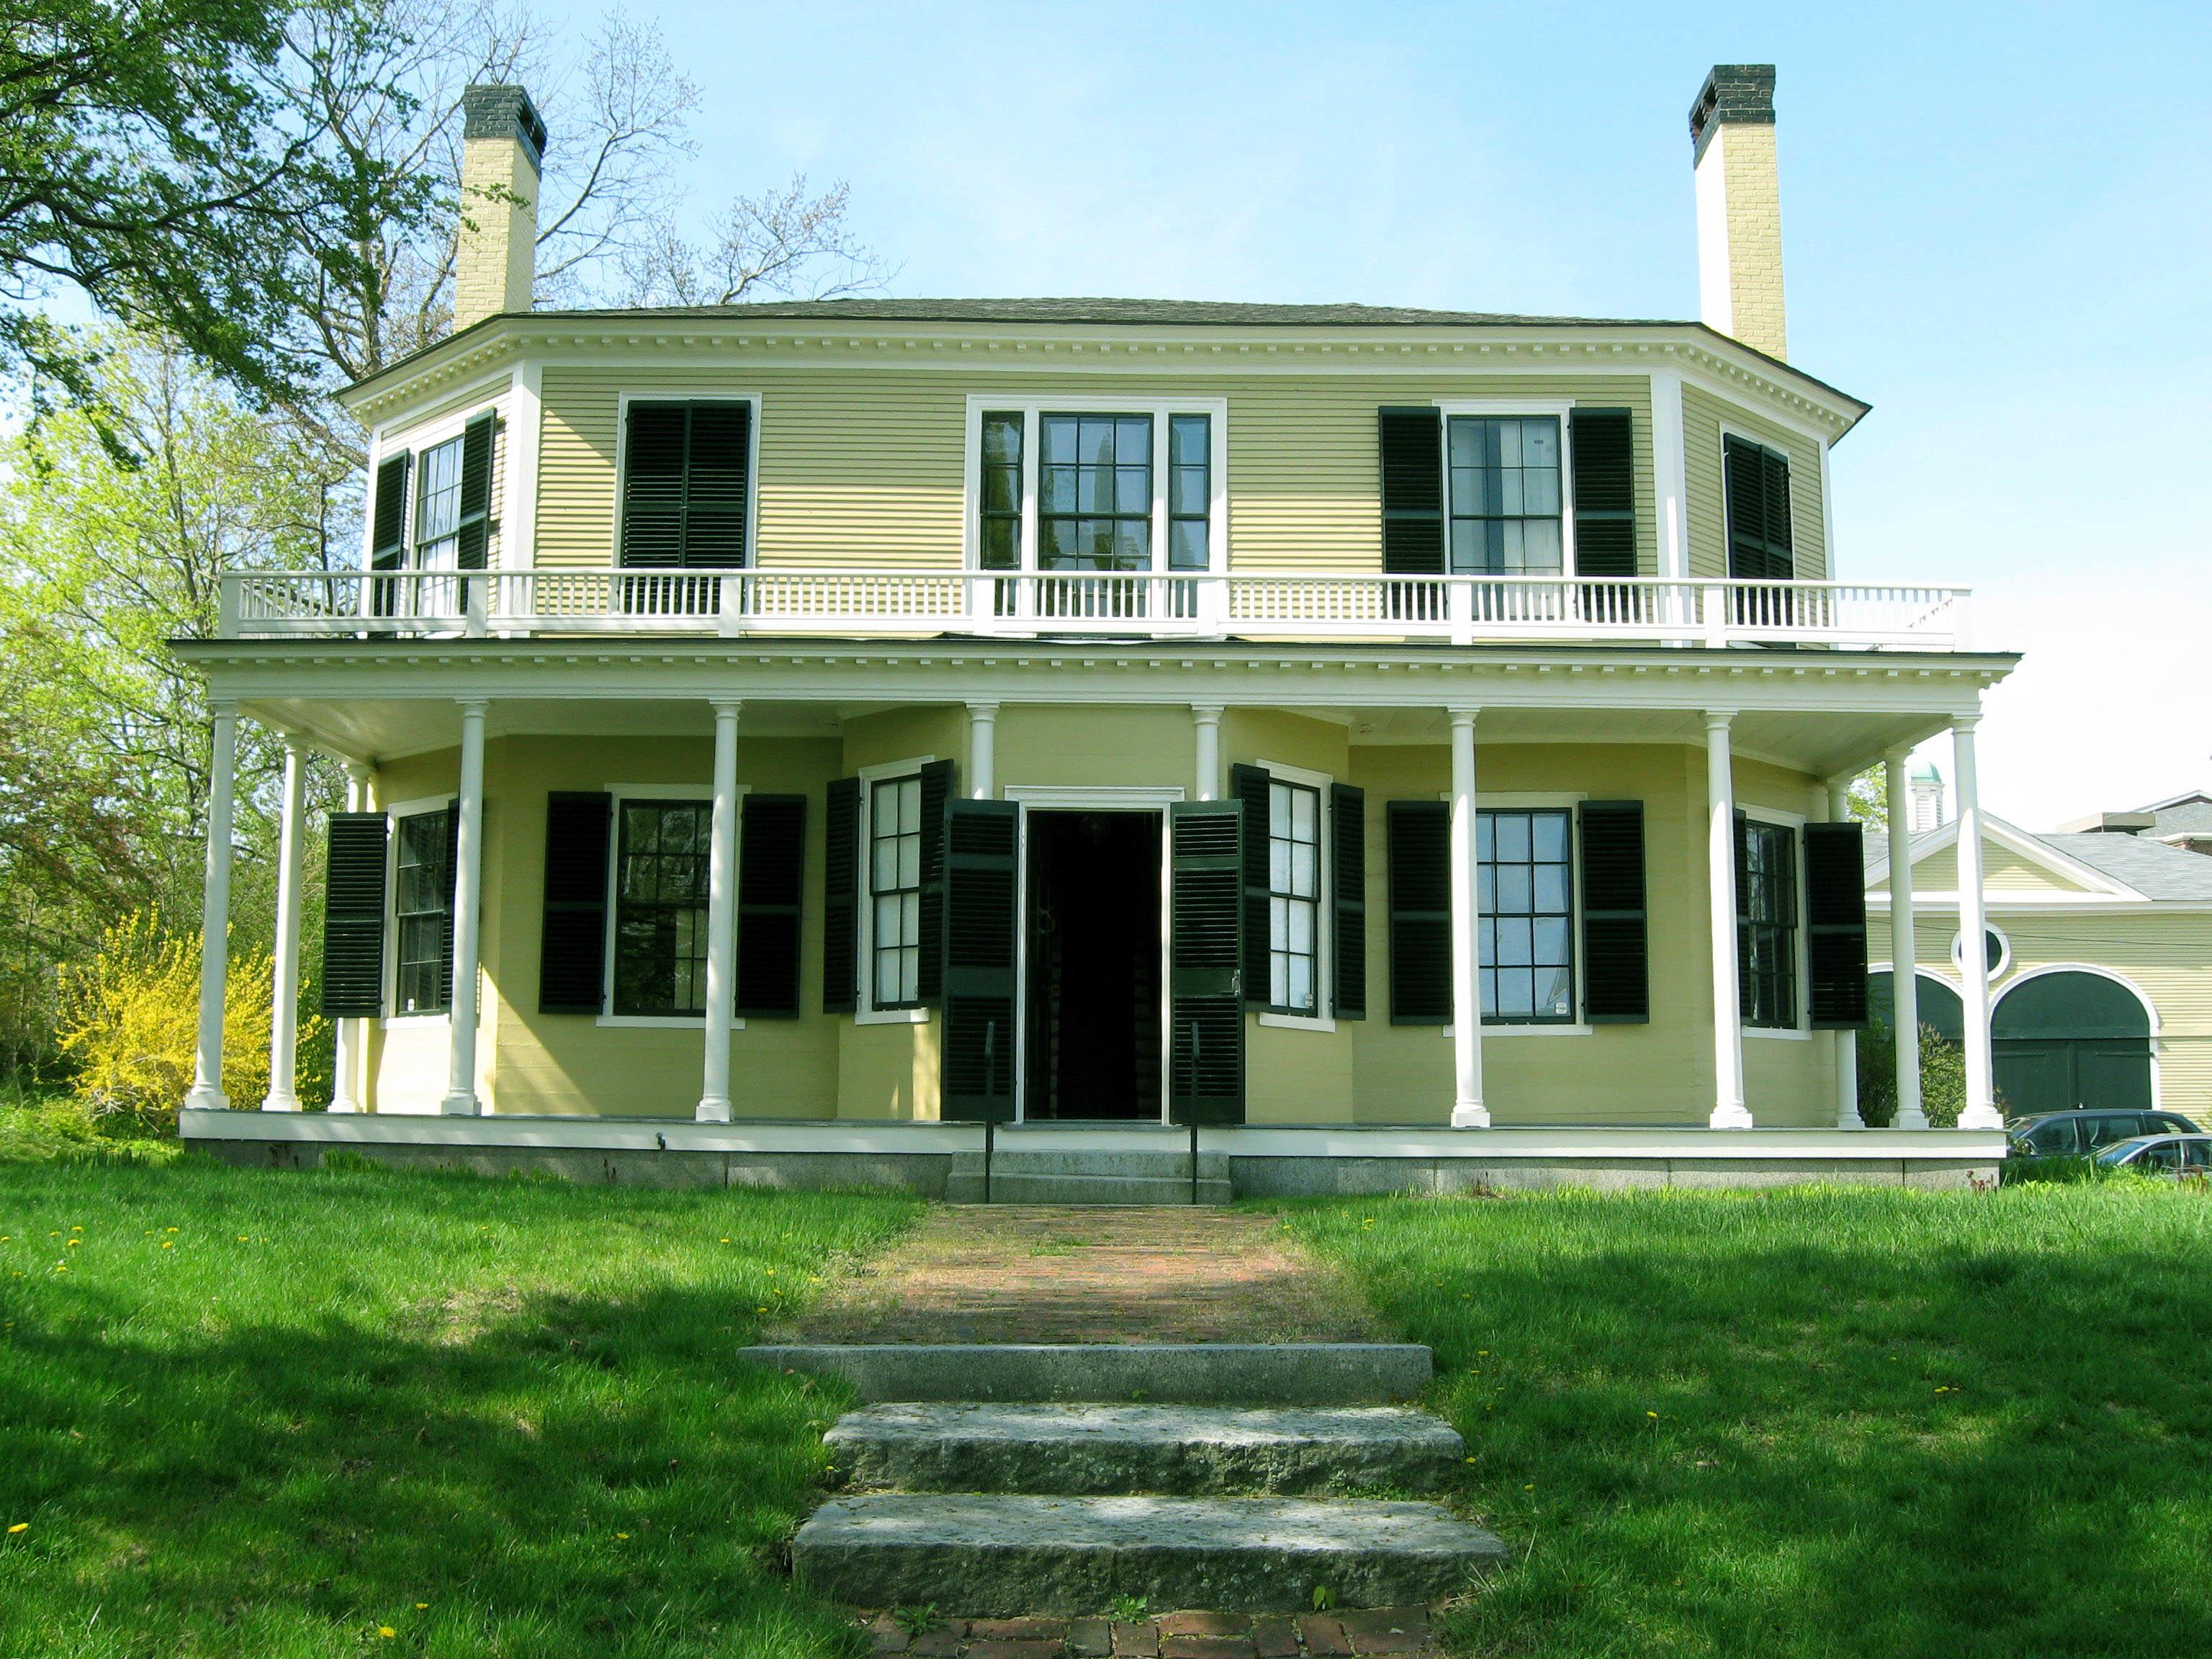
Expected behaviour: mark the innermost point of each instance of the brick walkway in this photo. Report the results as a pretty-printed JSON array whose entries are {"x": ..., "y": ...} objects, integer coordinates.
[
  {"x": 1176, "y": 1636},
  {"x": 1038, "y": 1274}
]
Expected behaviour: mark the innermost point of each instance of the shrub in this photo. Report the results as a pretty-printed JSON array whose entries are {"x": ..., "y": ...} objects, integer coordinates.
[
  {"x": 1943, "y": 1076},
  {"x": 130, "y": 1024}
]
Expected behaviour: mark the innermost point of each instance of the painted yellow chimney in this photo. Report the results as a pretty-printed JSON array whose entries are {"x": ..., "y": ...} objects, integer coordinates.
[
  {"x": 1739, "y": 207},
  {"x": 503, "y": 148}
]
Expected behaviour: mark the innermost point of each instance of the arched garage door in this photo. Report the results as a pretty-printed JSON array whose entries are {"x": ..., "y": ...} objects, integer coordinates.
[
  {"x": 2070, "y": 1039},
  {"x": 1936, "y": 1006}
]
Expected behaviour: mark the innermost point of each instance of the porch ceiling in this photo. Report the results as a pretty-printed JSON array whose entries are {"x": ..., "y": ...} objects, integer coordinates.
[{"x": 1822, "y": 712}]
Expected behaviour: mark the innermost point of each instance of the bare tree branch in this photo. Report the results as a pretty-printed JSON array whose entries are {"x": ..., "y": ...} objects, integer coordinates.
[{"x": 781, "y": 242}]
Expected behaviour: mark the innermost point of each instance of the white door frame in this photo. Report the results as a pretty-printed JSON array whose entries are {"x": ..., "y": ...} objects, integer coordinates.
[{"x": 1100, "y": 798}]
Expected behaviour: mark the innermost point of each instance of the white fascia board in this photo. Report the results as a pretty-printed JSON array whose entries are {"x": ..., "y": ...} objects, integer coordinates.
[{"x": 2013, "y": 839}]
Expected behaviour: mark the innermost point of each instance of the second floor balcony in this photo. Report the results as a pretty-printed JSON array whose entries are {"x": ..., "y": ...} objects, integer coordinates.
[{"x": 1274, "y": 606}]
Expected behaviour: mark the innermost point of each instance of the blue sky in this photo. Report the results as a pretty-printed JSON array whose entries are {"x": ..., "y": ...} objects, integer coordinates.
[{"x": 1996, "y": 228}]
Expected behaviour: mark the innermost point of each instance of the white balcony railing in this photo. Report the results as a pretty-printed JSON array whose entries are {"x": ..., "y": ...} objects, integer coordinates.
[{"x": 1240, "y": 605}]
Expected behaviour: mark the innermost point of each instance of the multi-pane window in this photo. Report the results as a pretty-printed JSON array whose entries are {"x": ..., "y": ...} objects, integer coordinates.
[
  {"x": 1768, "y": 905},
  {"x": 1525, "y": 874},
  {"x": 661, "y": 874},
  {"x": 1293, "y": 896},
  {"x": 1000, "y": 544},
  {"x": 422, "y": 911},
  {"x": 1095, "y": 492},
  {"x": 437, "y": 507},
  {"x": 1190, "y": 490},
  {"x": 1505, "y": 495},
  {"x": 895, "y": 888}
]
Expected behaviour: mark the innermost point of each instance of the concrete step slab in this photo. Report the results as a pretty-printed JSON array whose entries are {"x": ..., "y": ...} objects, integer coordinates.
[
  {"x": 1077, "y": 1176},
  {"x": 1157, "y": 1373},
  {"x": 994, "y": 1555},
  {"x": 1189, "y": 1451}
]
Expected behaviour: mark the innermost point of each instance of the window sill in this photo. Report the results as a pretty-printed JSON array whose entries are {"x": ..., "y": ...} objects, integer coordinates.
[
  {"x": 1786, "y": 1033},
  {"x": 892, "y": 1017},
  {"x": 431, "y": 1017},
  {"x": 1298, "y": 1022},
  {"x": 1492, "y": 1030},
  {"x": 660, "y": 1023}
]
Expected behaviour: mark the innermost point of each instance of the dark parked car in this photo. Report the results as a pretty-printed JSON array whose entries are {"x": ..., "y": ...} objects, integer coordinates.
[
  {"x": 2173, "y": 1156},
  {"x": 2076, "y": 1134}
]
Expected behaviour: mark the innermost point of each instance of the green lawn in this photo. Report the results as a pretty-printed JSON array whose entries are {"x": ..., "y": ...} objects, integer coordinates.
[
  {"x": 361, "y": 1413},
  {"x": 1821, "y": 1422}
]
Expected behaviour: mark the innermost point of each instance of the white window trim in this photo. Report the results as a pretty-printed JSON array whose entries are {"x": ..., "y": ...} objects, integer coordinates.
[
  {"x": 412, "y": 441},
  {"x": 865, "y": 1011},
  {"x": 1571, "y": 800},
  {"x": 1999, "y": 966},
  {"x": 396, "y": 810},
  {"x": 1099, "y": 402},
  {"x": 688, "y": 395},
  {"x": 1324, "y": 904},
  {"x": 672, "y": 792},
  {"x": 1803, "y": 1031},
  {"x": 1563, "y": 408}
]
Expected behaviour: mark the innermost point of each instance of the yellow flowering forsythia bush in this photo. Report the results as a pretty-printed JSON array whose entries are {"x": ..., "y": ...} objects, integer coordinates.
[{"x": 131, "y": 1024}]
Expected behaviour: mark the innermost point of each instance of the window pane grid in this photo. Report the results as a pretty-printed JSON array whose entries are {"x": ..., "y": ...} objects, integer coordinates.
[
  {"x": 1770, "y": 931},
  {"x": 1190, "y": 490},
  {"x": 1095, "y": 492},
  {"x": 1524, "y": 866},
  {"x": 895, "y": 888},
  {"x": 1000, "y": 543},
  {"x": 421, "y": 908},
  {"x": 1293, "y": 897},
  {"x": 662, "y": 873},
  {"x": 1505, "y": 495},
  {"x": 437, "y": 507}
]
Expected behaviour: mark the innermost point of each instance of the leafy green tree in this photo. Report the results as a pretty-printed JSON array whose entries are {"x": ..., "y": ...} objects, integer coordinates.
[
  {"x": 1868, "y": 800},
  {"x": 104, "y": 753},
  {"x": 1943, "y": 1076},
  {"x": 160, "y": 160}
]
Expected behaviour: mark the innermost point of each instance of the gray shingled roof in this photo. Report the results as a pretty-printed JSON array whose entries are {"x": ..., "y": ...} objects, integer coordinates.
[
  {"x": 1216, "y": 313},
  {"x": 2152, "y": 868},
  {"x": 2192, "y": 814}
]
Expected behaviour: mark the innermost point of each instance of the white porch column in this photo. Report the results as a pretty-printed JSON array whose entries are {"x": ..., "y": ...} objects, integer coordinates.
[
  {"x": 215, "y": 914},
  {"x": 1728, "y": 1109},
  {"x": 1206, "y": 719},
  {"x": 721, "y": 919},
  {"x": 1468, "y": 1110},
  {"x": 1980, "y": 1110},
  {"x": 345, "y": 1066},
  {"x": 983, "y": 751},
  {"x": 1847, "y": 1042},
  {"x": 1904, "y": 976},
  {"x": 283, "y": 1094},
  {"x": 468, "y": 900}
]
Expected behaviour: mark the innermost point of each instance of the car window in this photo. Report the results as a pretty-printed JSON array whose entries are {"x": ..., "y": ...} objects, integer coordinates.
[
  {"x": 2167, "y": 1123},
  {"x": 2103, "y": 1130},
  {"x": 2119, "y": 1152},
  {"x": 2198, "y": 1154},
  {"x": 2160, "y": 1155},
  {"x": 2054, "y": 1139}
]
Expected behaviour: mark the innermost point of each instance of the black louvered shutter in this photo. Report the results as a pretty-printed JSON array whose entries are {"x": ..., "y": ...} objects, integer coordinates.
[
  {"x": 1418, "y": 840},
  {"x": 1835, "y": 914},
  {"x": 1761, "y": 540},
  {"x": 937, "y": 788},
  {"x": 573, "y": 940},
  {"x": 1616, "y": 937},
  {"x": 1743, "y": 914},
  {"x": 686, "y": 467},
  {"x": 1605, "y": 491},
  {"x": 1248, "y": 787},
  {"x": 1347, "y": 834},
  {"x": 1412, "y": 445},
  {"x": 387, "y": 518},
  {"x": 1206, "y": 955},
  {"x": 771, "y": 889},
  {"x": 714, "y": 501},
  {"x": 353, "y": 915},
  {"x": 981, "y": 838},
  {"x": 453, "y": 885},
  {"x": 840, "y": 898},
  {"x": 653, "y": 447},
  {"x": 474, "y": 535}
]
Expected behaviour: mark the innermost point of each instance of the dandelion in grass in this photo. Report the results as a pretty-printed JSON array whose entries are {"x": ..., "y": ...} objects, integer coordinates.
[
  {"x": 20, "y": 1526},
  {"x": 623, "y": 1536},
  {"x": 386, "y": 1631},
  {"x": 422, "y": 1607}
]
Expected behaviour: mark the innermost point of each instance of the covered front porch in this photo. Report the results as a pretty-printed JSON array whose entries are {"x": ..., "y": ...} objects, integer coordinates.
[{"x": 1043, "y": 736}]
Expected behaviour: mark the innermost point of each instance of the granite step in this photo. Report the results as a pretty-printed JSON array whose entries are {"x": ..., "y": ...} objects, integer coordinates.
[
  {"x": 992, "y": 1555},
  {"x": 1079, "y": 1175},
  {"x": 1155, "y": 1373},
  {"x": 1192, "y": 1451}
]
